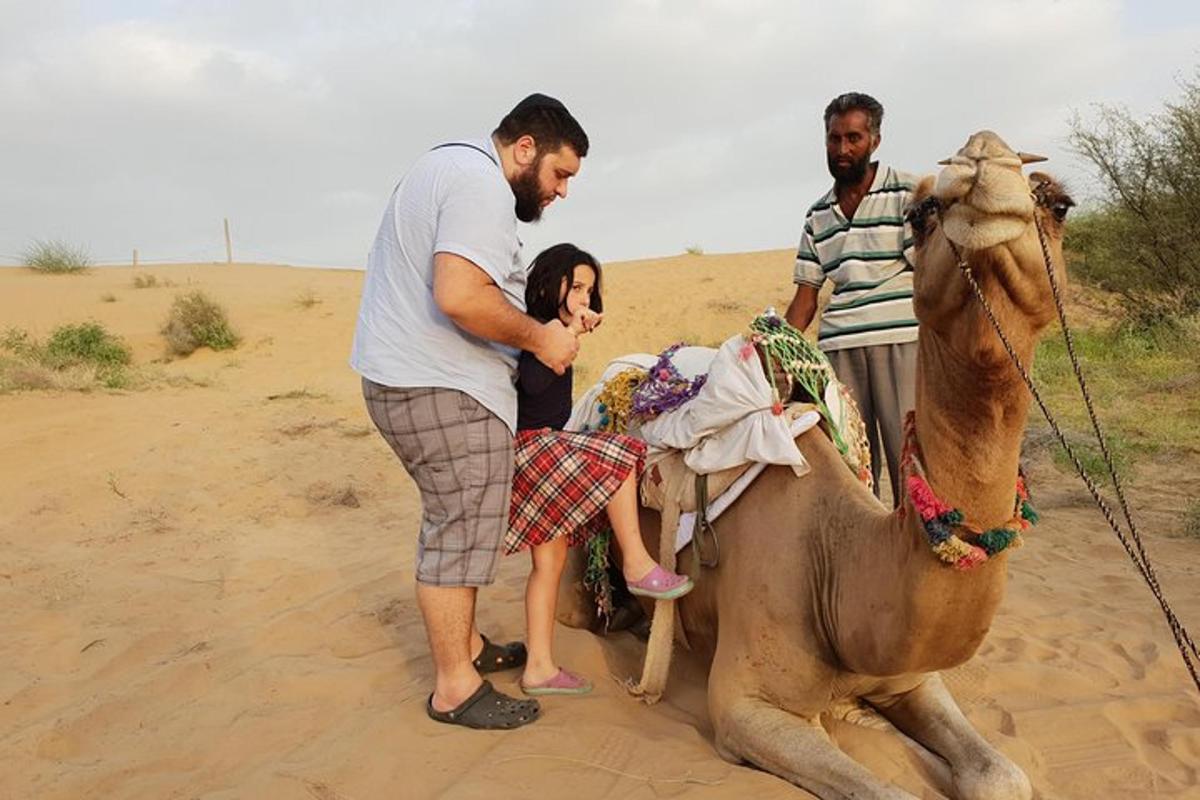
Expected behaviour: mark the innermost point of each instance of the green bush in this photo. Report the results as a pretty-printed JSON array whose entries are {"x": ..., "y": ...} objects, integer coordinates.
[
  {"x": 1143, "y": 382},
  {"x": 56, "y": 257},
  {"x": 1092, "y": 459},
  {"x": 75, "y": 357},
  {"x": 1191, "y": 520},
  {"x": 17, "y": 342},
  {"x": 86, "y": 343},
  {"x": 1141, "y": 241},
  {"x": 195, "y": 321}
]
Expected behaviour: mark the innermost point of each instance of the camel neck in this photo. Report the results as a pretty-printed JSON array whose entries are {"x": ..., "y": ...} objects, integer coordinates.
[
  {"x": 970, "y": 417},
  {"x": 969, "y": 420}
]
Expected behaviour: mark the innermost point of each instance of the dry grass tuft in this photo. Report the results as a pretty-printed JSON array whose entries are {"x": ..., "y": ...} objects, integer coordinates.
[
  {"x": 77, "y": 357},
  {"x": 306, "y": 300},
  {"x": 298, "y": 394},
  {"x": 54, "y": 257},
  {"x": 325, "y": 494},
  {"x": 196, "y": 320},
  {"x": 1191, "y": 520}
]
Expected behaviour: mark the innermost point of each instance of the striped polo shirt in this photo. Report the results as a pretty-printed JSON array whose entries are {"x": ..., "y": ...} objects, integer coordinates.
[{"x": 868, "y": 258}]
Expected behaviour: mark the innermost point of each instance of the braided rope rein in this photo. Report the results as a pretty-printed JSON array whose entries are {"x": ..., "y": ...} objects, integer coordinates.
[{"x": 1135, "y": 550}]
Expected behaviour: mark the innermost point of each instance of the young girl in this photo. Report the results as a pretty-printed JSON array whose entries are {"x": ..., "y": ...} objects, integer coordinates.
[{"x": 566, "y": 484}]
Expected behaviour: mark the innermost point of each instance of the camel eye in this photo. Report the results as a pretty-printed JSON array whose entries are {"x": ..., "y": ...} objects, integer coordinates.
[{"x": 1060, "y": 208}]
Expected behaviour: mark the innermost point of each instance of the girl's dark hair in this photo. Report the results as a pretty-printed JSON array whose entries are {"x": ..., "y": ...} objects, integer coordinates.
[{"x": 546, "y": 273}]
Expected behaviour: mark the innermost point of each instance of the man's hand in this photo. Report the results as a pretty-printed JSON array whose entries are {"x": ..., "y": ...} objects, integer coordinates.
[
  {"x": 556, "y": 346},
  {"x": 803, "y": 306}
]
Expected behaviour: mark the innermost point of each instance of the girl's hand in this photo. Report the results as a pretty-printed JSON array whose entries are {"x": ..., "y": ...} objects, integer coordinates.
[{"x": 584, "y": 321}]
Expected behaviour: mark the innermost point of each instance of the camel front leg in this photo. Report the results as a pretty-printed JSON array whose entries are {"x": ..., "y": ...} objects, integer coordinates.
[
  {"x": 928, "y": 714},
  {"x": 798, "y": 750}
]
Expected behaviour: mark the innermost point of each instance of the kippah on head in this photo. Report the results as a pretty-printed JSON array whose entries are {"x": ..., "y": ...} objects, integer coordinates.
[
  {"x": 547, "y": 120},
  {"x": 538, "y": 100}
]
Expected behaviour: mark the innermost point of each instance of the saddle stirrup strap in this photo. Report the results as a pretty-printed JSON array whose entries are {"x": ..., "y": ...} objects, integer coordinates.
[
  {"x": 704, "y": 526},
  {"x": 662, "y": 628}
]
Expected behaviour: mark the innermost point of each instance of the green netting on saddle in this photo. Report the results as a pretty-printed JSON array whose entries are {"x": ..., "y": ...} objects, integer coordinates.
[{"x": 783, "y": 344}]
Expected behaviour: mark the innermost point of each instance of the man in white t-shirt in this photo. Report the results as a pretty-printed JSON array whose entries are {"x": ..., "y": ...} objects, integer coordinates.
[{"x": 439, "y": 329}]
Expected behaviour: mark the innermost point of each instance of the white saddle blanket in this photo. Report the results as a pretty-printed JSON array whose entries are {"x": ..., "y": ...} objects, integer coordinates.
[
  {"x": 687, "y": 520},
  {"x": 729, "y": 422}
]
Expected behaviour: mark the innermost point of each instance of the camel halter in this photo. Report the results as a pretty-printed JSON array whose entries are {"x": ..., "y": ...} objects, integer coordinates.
[{"x": 1131, "y": 542}]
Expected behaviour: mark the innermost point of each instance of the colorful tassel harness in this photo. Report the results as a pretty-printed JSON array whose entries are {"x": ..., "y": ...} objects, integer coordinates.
[{"x": 940, "y": 521}]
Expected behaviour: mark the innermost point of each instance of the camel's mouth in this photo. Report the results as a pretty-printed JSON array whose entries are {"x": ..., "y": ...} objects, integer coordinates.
[
  {"x": 972, "y": 229},
  {"x": 983, "y": 193}
]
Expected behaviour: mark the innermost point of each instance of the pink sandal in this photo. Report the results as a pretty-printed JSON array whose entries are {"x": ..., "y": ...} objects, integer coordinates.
[
  {"x": 661, "y": 585},
  {"x": 563, "y": 682}
]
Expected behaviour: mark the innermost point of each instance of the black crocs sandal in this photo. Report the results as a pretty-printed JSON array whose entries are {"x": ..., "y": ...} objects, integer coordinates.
[
  {"x": 487, "y": 709},
  {"x": 497, "y": 657}
]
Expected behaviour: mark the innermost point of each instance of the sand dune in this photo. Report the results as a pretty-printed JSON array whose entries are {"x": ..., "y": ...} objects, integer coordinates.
[{"x": 206, "y": 585}]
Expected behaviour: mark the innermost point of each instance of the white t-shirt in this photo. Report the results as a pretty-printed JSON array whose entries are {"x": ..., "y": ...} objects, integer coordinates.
[{"x": 455, "y": 199}]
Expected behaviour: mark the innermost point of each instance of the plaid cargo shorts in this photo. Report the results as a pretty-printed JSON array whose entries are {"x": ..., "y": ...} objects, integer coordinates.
[{"x": 460, "y": 455}]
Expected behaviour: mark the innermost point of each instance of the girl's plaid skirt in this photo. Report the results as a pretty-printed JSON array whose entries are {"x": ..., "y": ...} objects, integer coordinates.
[{"x": 564, "y": 481}]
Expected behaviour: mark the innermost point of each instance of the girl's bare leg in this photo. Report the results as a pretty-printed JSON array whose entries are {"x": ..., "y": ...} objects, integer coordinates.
[
  {"x": 636, "y": 562},
  {"x": 541, "y": 598}
]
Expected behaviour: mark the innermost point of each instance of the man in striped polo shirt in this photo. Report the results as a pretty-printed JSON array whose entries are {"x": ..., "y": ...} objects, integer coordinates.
[{"x": 855, "y": 236}]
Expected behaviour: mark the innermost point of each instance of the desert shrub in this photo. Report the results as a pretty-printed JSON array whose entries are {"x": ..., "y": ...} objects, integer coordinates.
[
  {"x": 86, "y": 343},
  {"x": 1092, "y": 459},
  {"x": 144, "y": 281},
  {"x": 306, "y": 299},
  {"x": 56, "y": 257},
  {"x": 694, "y": 250},
  {"x": 108, "y": 297},
  {"x": 17, "y": 342},
  {"x": 1140, "y": 242},
  {"x": 195, "y": 320},
  {"x": 77, "y": 357},
  {"x": 1191, "y": 520}
]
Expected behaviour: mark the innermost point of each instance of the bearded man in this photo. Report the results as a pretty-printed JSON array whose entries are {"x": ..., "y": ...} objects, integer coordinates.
[
  {"x": 856, "y": 237},
  {"x": 439, "y": 329}
]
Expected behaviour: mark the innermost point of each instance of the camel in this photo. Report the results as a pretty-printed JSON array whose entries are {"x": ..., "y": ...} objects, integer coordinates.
[{"x": 823, "y": 596}]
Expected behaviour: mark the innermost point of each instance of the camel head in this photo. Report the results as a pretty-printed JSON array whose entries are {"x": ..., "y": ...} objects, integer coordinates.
[{"x": 982, "y": 210}]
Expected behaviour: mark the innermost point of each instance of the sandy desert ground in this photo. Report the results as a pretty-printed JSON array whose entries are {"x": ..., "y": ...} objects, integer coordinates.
[{"x": 206, "y": 585}]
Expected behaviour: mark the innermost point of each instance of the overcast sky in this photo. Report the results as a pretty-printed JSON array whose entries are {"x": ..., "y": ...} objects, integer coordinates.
[{"x": 142, "y": 124}]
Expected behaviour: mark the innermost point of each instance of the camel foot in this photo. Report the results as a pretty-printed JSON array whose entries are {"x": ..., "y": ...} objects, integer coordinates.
[
  {"x": 798, "y": 750},
  {"x": 990, "y": 776},
  {"x": 928, "y": 714}
]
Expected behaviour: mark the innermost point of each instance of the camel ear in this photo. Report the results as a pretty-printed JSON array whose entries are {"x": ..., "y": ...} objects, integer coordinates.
[
  {"x": 1038, "y": 177},
  {"x": 916, "y": 215}
]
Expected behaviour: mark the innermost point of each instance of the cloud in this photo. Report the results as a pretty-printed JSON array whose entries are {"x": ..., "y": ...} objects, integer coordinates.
[{"x": 142, "y": 124}]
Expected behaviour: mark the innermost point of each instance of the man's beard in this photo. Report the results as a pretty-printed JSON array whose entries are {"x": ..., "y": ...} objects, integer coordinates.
[
  {"x": 528, "y": 192},
  {"x": 850, "y": 174}
]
